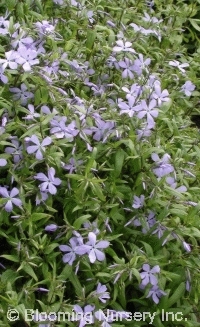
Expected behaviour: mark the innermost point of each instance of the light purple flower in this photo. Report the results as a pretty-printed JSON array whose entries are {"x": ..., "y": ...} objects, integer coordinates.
[
  {"x": 149, "y": 19},
  {"x": 72, "y": 165},
  {"x": 148, "y": 276},
  {"x": 51, "y": 228},
  {"x": 42, "y": 197},
  {"x": 159, "y": 230},
  {"x": 3, "y": 77},
  {"x": 49, "y": 182},
  {"x": 72, "y": 128},
  {"x": 71, "y": 251},
  {"x": 171, "y": 181},
  {"x": 188, "y": 88},
  {"x": 186, "y": 247},
  {"x": 38, "y": 148},
  {"x": 86, "y": 315},
  {"x": 45, "y": 110},
  {"x": 107, "y": 225},
  {"x": 103, "y": 129},
  {"x": 123, "y": 46},
  {"x": 15, "y": 149},
  {"x": 11, "y": 57},
  {"x": 32, "y": 114},
  {"x": 102, "y": 293},
  {"x": 140, "y": 64},
  {"x": 150, "y": 3},
  {"x": 58, "y": 2},
  {"x": 188, "y": 280},
  {"x": 150, "y": 222},
  {"x": 143, "y": 132},
  {"x": 163, "y": 167},
  {"x": 136, "y": 27},
  {"x": 3, "y": 123},
  {"x": 21, "y": 94},
  {"x": 128, "y": 67},
  {"x": 110, "y": 23},
  {"x": 11, "y": 198},
  {"x": 105, "y": 319},
  {"x": 155, "y": 293},
  {"x": 128, "y": 108},
  {"x": 4, "y": 26},
  {"x": 112, "y": 62},
  {"x": 44, "y": 28},
  {"x": 134, "y": 91},
  {"x": 188, "y": 285},
  {"x": 52, "y": 68},
  {"x": 159, "y": 95},
  {"x": 60, "y": 129},
  {"x": 148, "y": 110},
  {"x": 113, "y": 316},
  {"x": 3, "y": 162},
  {"x": 19, "y": 39},
  {"x": 92, "y": 248},
  {"x": 91, "y": 227},
  {"x": 2, "y": 266},
  {"x": 145, "y": 31},
  {"x": 90, "y": 15},
  {"x": 27, "y": 58},
  {"x": 177, "y": 64},
  {"x": 42, "y": 289},
  {"x": 138, "y": 202},
  {"x": 150, "y": 219}
]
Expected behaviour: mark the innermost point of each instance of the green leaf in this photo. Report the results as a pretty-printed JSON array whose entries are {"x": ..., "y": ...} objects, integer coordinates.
[
  {"x": 74, "y": 280},
  {"x": 79, "y": 221},
  {"x": 30, "y": 131},
  {"x": 119, "y": 160},
  {"x": 21, "y": 309},
  {"x": 178, "y": 212},
  {"x": 148, "y": 249},
  {"x": 5, "y": 104},
  {"x": 10, "y": 4},
  {"x": 65, "y": 273},
  {"x": 10, "y": 257},
  {"x": 38, "y": 216},
  {"x": 194, "y": 23},
  {"x": 102, "y": 274},
  {"x": 49, "y": 248},
  {"x": 91, "y": 161},
  {"x": 177, "y": 295},
  {"x": 9, "y": 276},
  {"x": 98, "y": 191},
  {"x": 29, "y": 270},
  {"x": 111, "y": 238},
  {"x": 136, "y": 274},
  {"x": 75, "y": 176},
  {"x": 122, "y": 295},
  {"x": 91, "y": 36}
]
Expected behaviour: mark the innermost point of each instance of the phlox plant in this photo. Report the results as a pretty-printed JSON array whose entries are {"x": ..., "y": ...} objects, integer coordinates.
[{"x": 99, "y": 164}]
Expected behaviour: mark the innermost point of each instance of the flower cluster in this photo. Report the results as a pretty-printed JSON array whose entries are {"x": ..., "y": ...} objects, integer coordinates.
[
  {"x": 148, "y": 277},
  {"x": 98, "y": 164}
]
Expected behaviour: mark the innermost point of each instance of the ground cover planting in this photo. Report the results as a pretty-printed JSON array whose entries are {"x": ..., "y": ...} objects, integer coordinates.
[{"x": 99, "y": 163}]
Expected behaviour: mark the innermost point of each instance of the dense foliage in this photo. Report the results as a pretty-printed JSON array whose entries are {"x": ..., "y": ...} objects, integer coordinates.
[{"x": 99, "y": 163}]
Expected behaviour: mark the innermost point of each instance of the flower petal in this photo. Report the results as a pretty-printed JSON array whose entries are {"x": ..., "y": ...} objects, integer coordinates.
[
  {"x": 14, "y": 192},
  {"x": 46, "y": 141},
  {"x": 102, "y": 244},
  {"x": 9, "y": 206},
  {"x": 100, "y": 255},
  {"x": 92, "y": 238},
  {"x": 92, "y": 256}
]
